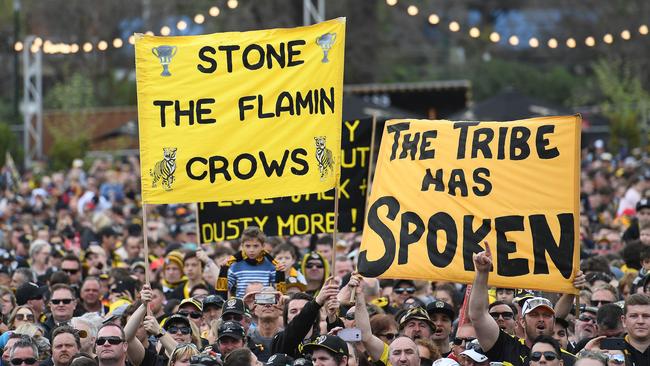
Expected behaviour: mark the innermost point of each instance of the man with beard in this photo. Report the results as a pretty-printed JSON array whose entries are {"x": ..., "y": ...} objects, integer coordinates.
[
  {"x": 415, "y": 323},
  {"x": 538, "y": 318},
  {"x": 65, "y": 344},
  {"x": 111, "y": 346},
  {"x": 442, "y": 315}
]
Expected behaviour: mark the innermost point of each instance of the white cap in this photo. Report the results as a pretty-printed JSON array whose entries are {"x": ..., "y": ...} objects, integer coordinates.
[
  {"x": 477, "y": 357},
  {"x": 536, "y": 302},
  {"x": 445, "y": 362}
]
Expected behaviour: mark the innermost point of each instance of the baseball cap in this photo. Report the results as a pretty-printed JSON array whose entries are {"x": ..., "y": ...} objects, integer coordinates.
[
  {"x": 234, "y": 305},
  {"x": 29, "y": 291},
  {"x": 197, "y": 304},
  {"x": 213, "y": 300},
  {"x": 416, "y": 314},
  {"x": 328, "y": 342},
  {"x": 445, "y": 362},
  {"x": 279, "y": 359},
  {"x": 474, "y": 355},
  {"x": 302, "y": 362},
  {"x": 536, "y": 302},
  {"x": 643, "y": 203},
  {"x": 441, "y": 307},
  {"x": 176, "y": 318},
  {"x": 231, "y": 329}
]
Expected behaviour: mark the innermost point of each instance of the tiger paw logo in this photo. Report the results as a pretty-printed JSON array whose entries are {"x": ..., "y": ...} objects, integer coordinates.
[
  {"x": 323, "y": 157},
  {"x": 164, "y": 169}
]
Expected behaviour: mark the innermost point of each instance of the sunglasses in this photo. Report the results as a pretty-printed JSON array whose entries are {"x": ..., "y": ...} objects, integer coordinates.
[
  {"x": 401, "y": 290},
  {"x": 585, "y": 318},
  {"x": 59, "y": 301},
  {"x": 350, "y": 315},
  {"x": 459, "y": 341},
  {"x": 389, "y": 336},
  {"x": 28, "y": 317},
  {"x": 191, "y": 314},
  {"x": 182, "y": 330},
  {"x": 20, "y": 361},
  {"x": 600, "y": 302},
  {"x": 314, "y": 265},
  {"x": 549, "y": 356},
  {"x": 506, "y": 315},
  {"x": 231, "y": 317},
  {"x": 111, "y": 340},
  {"x": 70, "y": 271}
]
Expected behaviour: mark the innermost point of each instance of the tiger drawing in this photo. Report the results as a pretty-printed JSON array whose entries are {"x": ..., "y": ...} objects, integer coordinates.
[
  {"x": 323, "y": 157},
  {"x": 164, "y": 169}
]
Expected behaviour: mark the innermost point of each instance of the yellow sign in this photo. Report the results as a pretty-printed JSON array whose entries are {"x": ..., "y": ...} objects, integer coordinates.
[
  {"x": 442, "y": 189},
  {"x": 240, "y": 115}
]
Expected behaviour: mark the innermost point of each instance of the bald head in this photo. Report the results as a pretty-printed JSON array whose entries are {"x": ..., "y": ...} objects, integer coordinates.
[{"x": 403, "y": 352}]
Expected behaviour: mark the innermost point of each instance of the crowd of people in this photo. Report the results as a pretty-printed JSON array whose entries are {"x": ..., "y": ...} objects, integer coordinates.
[{"x": 76, "y": 288}]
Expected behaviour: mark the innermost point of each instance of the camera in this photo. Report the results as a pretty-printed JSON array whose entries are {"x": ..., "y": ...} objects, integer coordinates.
[{"x": 205, "y": 359}]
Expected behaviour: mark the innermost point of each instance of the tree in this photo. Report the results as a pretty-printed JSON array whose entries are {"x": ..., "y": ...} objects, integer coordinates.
[
  {"x": 72, "y": 138},
  {"x": 625, "y": 102}
]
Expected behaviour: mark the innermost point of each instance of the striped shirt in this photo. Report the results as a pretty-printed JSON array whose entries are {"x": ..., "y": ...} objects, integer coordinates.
[{"x": 241, "y": 273}]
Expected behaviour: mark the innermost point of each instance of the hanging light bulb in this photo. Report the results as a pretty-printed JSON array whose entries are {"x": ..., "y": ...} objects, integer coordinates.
[
  {"x": 513, "y": 40},
  {"x": 590, "y": 41},
  {"x": 199, "y": 19},
  {"x": 533, "y": 42},
  {"x": 117, "y": 43},
  {"x": 474, "y": 32},
  {"x": 495, "y": 37},
  {"x": 571, "y": 43},
  {"x": 412, "y": 10},
  {"x": 552, "y": 43},
  {"x": 165, "y": 30},
  {"x": 214, "y": 11},
  {"x": 434, "y": 19}
]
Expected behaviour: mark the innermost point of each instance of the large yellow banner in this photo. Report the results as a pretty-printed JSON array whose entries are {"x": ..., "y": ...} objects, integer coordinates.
[
  {"x": 442, "y": 189},
  {"x": 240, "y": 115}
]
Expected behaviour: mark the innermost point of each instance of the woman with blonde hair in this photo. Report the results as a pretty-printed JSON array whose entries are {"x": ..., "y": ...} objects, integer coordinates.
[
  {"x": 22, "y": 314},
  {"x": 182, "y": 354}
]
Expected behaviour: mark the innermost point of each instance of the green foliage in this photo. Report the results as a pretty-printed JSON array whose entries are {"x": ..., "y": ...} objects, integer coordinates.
[
  {"x": 72, "y": 137},
  {"x": 625, "y": 99},
  {"x": 555, "y": 85},
  {"x": 9, "y": 142}
]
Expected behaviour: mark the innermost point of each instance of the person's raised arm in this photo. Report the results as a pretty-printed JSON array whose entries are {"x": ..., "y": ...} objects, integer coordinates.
[
  {"x": 487, "y": 329},
  {"x": 152, "y": 327},
  {"x": 564, "y": 304},
  {"x": 374, "y": 345}
]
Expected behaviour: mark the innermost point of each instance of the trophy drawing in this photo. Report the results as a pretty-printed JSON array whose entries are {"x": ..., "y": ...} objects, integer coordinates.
[
  {"x": 165, "y": 54},
  {"x": 325, "y": 42}
]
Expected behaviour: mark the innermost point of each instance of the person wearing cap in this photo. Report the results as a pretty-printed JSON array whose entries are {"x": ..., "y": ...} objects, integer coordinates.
[
  {"x": 538, "y": 318},
  {"x": 442, "y": 315},
  {"x": 473, "y": 356},
  {"x": 173, "y": 275},
  {"x": 230, "y": 336},
  {"x": 212, "y": 305},
  {"x": 585, "y": 324},
  {"x": 415, "y": 323},
  {"x": 279, "y": 359},
  {"x": 327, "y": 350},
  {"x": 192, "y": 309},
  {"x": 402, "y": 290},
  {"x": 32, "y": 295},
  {"x": 234, "y": 309},
  {"x": 195, "y": 263},
  {"x": 641, "y": 218}
]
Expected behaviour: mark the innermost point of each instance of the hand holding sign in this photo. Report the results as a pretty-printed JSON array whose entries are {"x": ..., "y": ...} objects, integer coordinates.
[{"x": 483, "y": 260}]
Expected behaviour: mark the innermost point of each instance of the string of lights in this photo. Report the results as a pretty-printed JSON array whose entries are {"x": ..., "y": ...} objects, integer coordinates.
[
  {"x": 49, "y": 47},
  {"x": 454, "y": 26}
]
